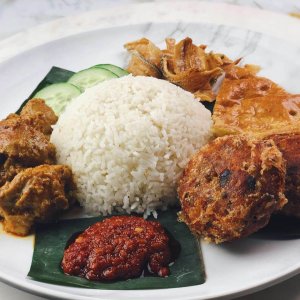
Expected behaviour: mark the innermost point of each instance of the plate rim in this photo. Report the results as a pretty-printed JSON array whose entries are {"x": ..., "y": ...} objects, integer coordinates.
[
  {"x": 27, "y": 286},
  {"x": 51, "y": 293}
]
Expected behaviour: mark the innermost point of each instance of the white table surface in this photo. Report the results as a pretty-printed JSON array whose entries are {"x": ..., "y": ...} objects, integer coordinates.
[{"x": 19, "y": 15}]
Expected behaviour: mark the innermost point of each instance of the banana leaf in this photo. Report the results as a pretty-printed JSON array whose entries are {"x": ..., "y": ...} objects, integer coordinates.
[
  {"x": 209, "y": 105},
  {"x": 51, "y": 240}
]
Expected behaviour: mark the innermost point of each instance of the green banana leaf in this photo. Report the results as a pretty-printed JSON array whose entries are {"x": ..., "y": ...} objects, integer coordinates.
[
  {"x": 51, "y": 239},
  {"x": 209, "y": 105}
]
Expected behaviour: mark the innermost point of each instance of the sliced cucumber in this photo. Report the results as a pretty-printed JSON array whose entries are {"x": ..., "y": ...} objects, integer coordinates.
[
  {"x": 115, "y": 69},
  {"x": 58, "y": 95},
  {"x": 90, "y": 77}
]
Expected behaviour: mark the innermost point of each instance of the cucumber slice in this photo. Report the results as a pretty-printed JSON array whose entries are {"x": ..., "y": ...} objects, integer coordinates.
[
  {"x": 90, "y": 77},
  {"x": 115, "y": 69},
  {"x": 58, "y": 95}
]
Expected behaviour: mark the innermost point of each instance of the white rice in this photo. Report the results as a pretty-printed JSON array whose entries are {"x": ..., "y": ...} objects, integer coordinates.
[{"x": 127, "y": 141}]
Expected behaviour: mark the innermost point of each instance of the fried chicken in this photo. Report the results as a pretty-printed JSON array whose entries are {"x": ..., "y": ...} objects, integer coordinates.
[
  {"x": 256, "y": 106},
  {"x": 231, "y": 187},
  {"x": 24, "y": 139},
  {"x": 35, "y": 195},
  {"x": 145, "y": 59},
  {"x": 185, "y": 64}
]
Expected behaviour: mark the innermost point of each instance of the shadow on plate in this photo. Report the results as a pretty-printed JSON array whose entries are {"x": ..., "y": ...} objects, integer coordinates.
[{"x": 280, "y": 228}]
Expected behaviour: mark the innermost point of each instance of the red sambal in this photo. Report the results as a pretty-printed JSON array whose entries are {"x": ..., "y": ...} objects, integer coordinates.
[{"x": 119, "y": 247}]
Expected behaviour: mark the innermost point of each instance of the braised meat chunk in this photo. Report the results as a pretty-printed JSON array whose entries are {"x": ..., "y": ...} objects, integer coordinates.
[
  {"x": 231, "y": 187},
  {"x": 35, "y": 195},
  {"x": 24, "y": 140},
  {"x": 39, "y": 115}
]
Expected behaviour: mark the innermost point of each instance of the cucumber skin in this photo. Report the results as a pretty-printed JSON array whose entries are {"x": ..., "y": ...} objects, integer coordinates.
[
  {"x": 114, "y": 69},
  {"x": 48, "y": 91},
  {"x": 75, "y": 79},
  {"x": 55, "y": 75},
  {"x": 40, "y": 92}
]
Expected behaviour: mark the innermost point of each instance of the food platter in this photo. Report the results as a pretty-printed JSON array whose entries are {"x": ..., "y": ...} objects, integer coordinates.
[{"x": 231, "y": 269}]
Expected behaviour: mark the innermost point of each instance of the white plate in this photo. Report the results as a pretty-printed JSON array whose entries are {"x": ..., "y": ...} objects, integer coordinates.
[{"x": 232, "y": 269}]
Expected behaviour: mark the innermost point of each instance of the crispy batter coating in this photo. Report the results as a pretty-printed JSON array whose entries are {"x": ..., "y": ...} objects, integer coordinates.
[
  {"x": 146, "y": 49},
  {"x": 191, "y": 68},
  {"x": 231, "y": 187},
  {"x": 256, "y": 106},
  {"x": 232, "y": 71},
  {"x": 35, "y": 195},
  {"x": 289, "y": 145},
  {"x": 184, "y": 64},
  {"x": 145, "y": 58},
  {"x": 24, "y": 139}
]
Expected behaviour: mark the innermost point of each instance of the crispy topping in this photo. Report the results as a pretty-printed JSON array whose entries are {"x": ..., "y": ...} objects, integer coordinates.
[{"x": 184, "y": 64}]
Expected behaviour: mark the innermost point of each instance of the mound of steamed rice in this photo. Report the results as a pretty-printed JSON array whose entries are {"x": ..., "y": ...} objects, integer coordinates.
[{"x": 127, "y": 141}]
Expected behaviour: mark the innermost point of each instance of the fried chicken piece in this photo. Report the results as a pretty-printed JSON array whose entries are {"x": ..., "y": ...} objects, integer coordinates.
[
  {"x": 191, "y": 68},
  {"x": 39, "y": 115},
  {"x": 256, "y": 106},
  {"x": 139, "y": 66},
  {"x": 194, "y": 80},
  {"x": 289, "y": 145},
  {"x": 35, "y": 195},
  {"x": 145, "y": 58},
  {"x": 232, "y": 71},
  {"x": 196, "y": 70},
  {"x": 23, "y": 142},
  {"x": 184, "y": 64},
  {"x": 146, "y": 49},
  {"x": 231, "y": 187}
]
